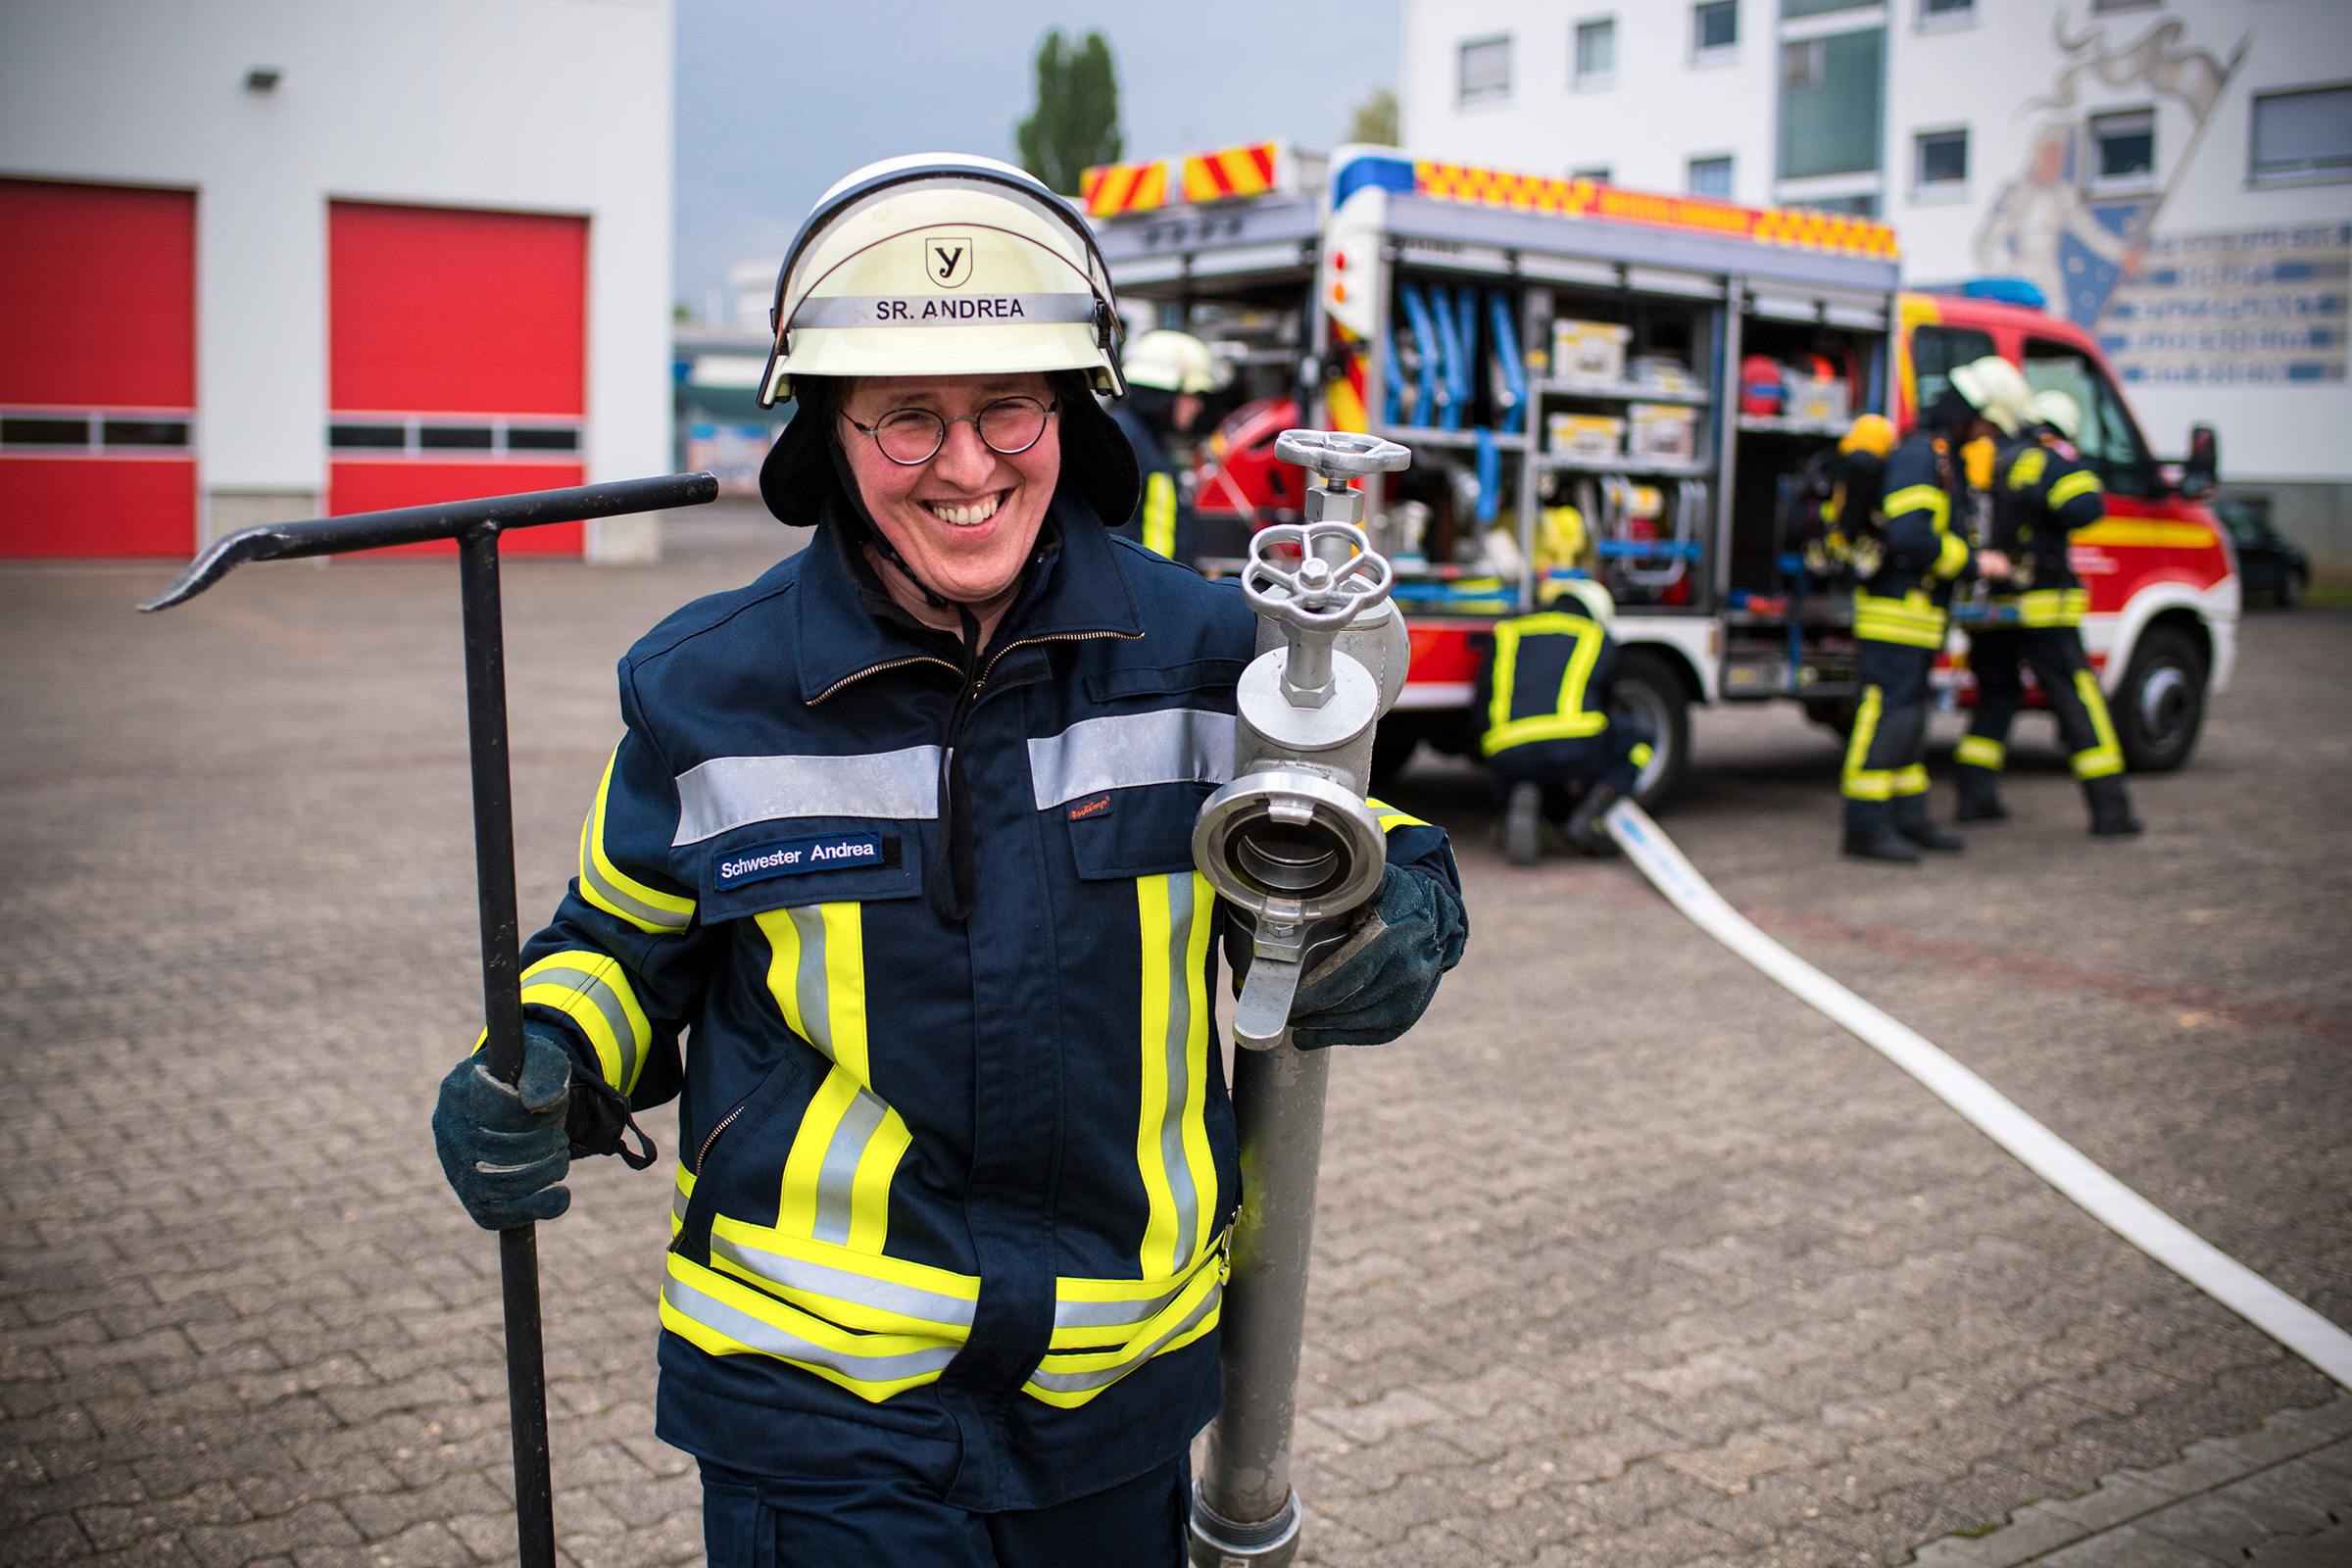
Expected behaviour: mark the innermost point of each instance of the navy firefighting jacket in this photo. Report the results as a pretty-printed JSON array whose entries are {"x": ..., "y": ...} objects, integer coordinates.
[
  {"x": 1903, "y": 601},
  {"x": 960, "y": 1191},
  {"x": 2042, "y": 493}
]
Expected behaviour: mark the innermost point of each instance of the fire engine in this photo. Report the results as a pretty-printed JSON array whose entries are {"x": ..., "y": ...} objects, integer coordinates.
[{"x": 1646, "y": 392}]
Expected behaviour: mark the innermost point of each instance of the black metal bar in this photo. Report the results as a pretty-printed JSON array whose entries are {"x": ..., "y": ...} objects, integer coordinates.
[
  {"x": 501, "y": 1009},
  {"x": 452, "y": 520}
]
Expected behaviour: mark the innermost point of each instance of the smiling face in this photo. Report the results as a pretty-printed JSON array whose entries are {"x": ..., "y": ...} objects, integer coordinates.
[{"x": 966, "y": 520}]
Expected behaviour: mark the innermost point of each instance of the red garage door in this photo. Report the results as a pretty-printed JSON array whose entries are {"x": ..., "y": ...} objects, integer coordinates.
[
  {"x": 97, "y": 369},
  {"x": 458, "y": 358}
]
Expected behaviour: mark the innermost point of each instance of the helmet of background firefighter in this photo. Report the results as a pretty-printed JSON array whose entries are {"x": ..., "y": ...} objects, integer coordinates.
[
  {"x": 942, "y": 264},
  {"x": 2060, "y": 411},
  {"x": 1997, "y": 390},
  {"x": 1175, "y": 362}
]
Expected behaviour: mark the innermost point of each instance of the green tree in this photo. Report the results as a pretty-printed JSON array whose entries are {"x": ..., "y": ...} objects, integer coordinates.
[
  {"x": 1375, "y": 120},
  {"x": 1076, "y": 121}
]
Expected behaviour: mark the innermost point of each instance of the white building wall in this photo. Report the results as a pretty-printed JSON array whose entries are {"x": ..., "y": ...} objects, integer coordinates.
[
  {"x": 1983, "y": 71},
  {"x": 555, "y": 106}
]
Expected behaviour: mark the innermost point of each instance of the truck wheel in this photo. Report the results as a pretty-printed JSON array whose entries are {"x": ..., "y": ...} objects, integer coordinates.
[
  {"x": 2160, "y": 705},
  {"x": 1650, "y": 692},
  {"x": 1393, "y": 746}
]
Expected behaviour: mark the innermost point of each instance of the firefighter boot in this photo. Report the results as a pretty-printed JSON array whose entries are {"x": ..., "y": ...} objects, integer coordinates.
[
  {"x": 1980, "y": 796},
  {"x": 1870, "y": 836},
  {"x": 2110, "y": 808},
  {"x": 1584, "y": 829},
  {"x": 1522, "y": 823},
  {"x": 1912, "y": 822}
]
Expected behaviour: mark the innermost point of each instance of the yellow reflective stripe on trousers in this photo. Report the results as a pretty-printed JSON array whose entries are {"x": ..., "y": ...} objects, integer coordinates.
[
  {"x": 837, "y": 1177},
  {"x": 1910, "y": 779},
  {"x": 1928, "y": 498},
  {"x": 1855, "y": 781},
  {"x": 2081, "y": 482},
  {"x": 1171, "y": 1140},
  {"x": 727, "y": 1317},
  {"x": 1159, "y": 514},
  {"x": 592, "y": 990},
  {"x": 1567, "y": 719},
  {"x": 1981, "y": 751},
  {"x": 1914, "y": 620},
  {"x": 604, "y": 884},
  {"x": 2050, "y": 607},
  {"x": 2107, "y": 757}
]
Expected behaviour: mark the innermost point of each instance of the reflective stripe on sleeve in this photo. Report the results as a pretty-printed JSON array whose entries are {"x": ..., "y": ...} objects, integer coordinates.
[
  {"x": 730, "y": 792},
  {"x": 1122, "y": 751},
  {"x": 1928, "y": 498},
  {"x": 603, "y": 884},
  {"x": 1159, "y": 514},
  {"x": 2026, "y": 471},
  {"x": 2081, "y": 482},
  {"x": 1389, "y": 818},
  {"x": 1171, "y": 1141},
  {"x": 593, "y": 991},
  {"x": 1950, "y": 557}
]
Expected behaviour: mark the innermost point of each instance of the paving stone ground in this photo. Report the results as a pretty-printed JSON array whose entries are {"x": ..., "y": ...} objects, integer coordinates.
[{"x": 1625, "y": 1257}]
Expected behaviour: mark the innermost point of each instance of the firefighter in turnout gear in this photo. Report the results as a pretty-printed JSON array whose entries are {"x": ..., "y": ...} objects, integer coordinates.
[
  {"x": 2042, "y": 492},
  {"x": 1544, "y": 691},
  {"x": 902, "y": 832},
  {"x": 1908, "y": 558},
  {"x": 1857, "y": 480},
  {"x": 1168, "y": 374}
]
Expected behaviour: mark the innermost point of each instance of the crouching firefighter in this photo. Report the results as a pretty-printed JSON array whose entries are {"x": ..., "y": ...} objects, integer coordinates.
[
  {"x": 2042, "y": 493},
  {"x": 903, "y": 833},
  {"x": 1908, "y": 559},
  {"x": 1545, "y": 690}
]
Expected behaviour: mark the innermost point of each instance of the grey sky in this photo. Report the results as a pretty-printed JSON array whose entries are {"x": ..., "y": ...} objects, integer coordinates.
[{"x": 776, "y": 99}]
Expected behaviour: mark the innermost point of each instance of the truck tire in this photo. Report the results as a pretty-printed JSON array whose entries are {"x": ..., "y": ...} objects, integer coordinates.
[
  {"x": 1650, "y": 692},
  {"x": 2160, "y": 705}
]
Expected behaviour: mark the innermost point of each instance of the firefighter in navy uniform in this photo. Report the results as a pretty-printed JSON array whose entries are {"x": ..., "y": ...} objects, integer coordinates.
[
  {"x": 1908, "y": 561},
  {"x": 1544, "y": 691},
  {"x": 902, "y": 832},
  {"x": 2041, "y": 494},
  {"x": 1169, "y": 374}
]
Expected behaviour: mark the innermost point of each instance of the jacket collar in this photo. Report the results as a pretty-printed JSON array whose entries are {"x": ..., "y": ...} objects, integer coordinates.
[{"x": 838, "y": 638}]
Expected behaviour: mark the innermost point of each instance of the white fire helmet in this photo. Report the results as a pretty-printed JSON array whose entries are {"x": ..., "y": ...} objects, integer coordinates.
[
  {"x": 1173, "y": 361},
  {"x": 2060, "y": 411},
  {"x": 1996, "y": 389},
  {"x": 942, "y": 264}
]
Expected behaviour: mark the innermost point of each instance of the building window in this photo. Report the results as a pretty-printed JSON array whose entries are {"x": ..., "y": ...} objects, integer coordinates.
[
  {"x": 1945, "y": 9},
  {"x": 1813, "y": 8},
  {"x": 2127, "y": 144},
  {"x": 1711, "y": 176},
  {"x": 1831, "y": 94},
  {"x": 1863, "y": 206},
  {"x": 1939, "y": 158},
  {"x": 1595, "y": 50},
  {"x": 1714, "y": 26},
  {"x": 1598, "y": 173},
  {"x": 2303, "y": 134},
  {"x": 1485, "y": 69}
]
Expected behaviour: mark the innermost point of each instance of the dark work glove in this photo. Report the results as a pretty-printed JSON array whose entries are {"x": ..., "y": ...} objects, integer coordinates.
[
  {"x": 504, "y": 1146},
  {"x": 1376, "y": 983}
]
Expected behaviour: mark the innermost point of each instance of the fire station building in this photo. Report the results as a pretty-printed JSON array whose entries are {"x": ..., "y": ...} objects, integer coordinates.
[{"x": 266, "y": 262}]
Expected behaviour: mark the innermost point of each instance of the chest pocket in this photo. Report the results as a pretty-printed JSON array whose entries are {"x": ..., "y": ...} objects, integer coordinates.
[
  {"x": 1129, "y": 786},
  {"x": 786, "y": 862}
]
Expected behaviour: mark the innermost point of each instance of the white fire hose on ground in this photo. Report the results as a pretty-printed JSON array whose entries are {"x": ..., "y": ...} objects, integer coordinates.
[
  {"x": 1291, "y": 843},
  {"x": 2049, "y": 1156}
]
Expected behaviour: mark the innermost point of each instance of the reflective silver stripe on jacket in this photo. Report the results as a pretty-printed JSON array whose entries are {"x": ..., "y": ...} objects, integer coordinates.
[
  {"x": 943, "y": 310},
  {"x": 599, "y": 992},
  {"x": 1103, "y": 1377},
  {"x": 817, "y": 1279},
  {"x": 1177, "y": 1042},
  {"x": 745, "y": 1329},
  {"x": 1175, "y": 746},
  {"x": 730, "y": 792}
]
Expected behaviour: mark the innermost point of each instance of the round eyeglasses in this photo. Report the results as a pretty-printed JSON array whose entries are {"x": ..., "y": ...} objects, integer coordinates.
[{"x": 912, "y": 437}]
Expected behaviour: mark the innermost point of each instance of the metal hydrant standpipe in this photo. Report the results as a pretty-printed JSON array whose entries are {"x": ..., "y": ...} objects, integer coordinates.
[{"x": 1291, "y": 843}]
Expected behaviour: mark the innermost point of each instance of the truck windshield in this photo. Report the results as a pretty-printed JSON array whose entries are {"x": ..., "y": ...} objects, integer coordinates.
[
  {"x": 2110, "y": 442},
  {"x": 1934, "y": 350}
]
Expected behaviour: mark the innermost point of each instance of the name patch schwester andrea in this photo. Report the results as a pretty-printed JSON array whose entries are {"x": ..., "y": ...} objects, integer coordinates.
[
  {"x": 991, "y": 308},
  {"x": 939, "y": 309},
  {"x": 828, "y": 851}
]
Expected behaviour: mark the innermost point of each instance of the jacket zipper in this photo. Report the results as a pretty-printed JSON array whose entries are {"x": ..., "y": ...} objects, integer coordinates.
[
  {"x": 926, "y": 658},
  {"x": 703, "y": 1152}
]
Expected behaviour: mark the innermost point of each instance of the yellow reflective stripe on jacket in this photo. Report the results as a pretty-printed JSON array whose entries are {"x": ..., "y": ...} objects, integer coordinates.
[
  {"x": 605, "y": 885},
  {"x": 2081, "y": 482},
  {"x": 1981, "y": 751},
  {"x": 1855, "y": 781},
  {"x": 593, "y": 991},
  {"x": 2049, "y": 607},
  {"x": 727, "y": 1317},
  {"x": 2106, "y": 757},
  {"x": 1159, "y": 514},
  {"x": 1171, "y": 1139},
  {"x": 1928, "y": 498},
  {"x": 1071, "y": 1380},
  {"x": 2025, "y": 469},
  {"x": 837, "y": 1176},
  {"x": 1391, "y": 818},
  {"x": 1567, "y": 719},
  {"x": 1950, "y": 558},
  {"x": 1914, "y": 620}
]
